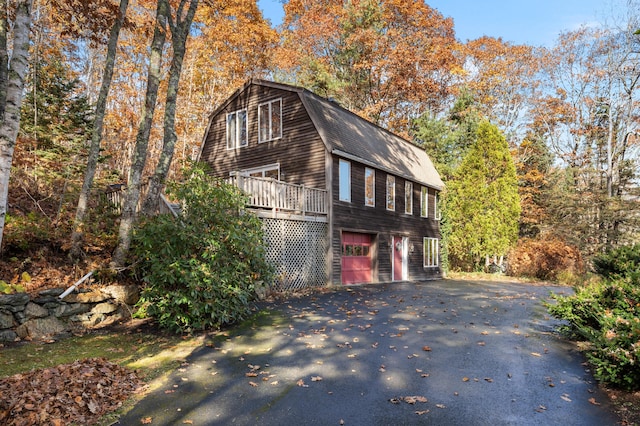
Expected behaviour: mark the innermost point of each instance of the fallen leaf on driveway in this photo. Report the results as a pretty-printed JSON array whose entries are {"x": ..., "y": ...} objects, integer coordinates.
[
  {"x": 441, "y": 406},
  {"x": 426, "y": 348},
  {"x": 422, "y": 412},
  {"x": 316, "y": 378},
  {"x": 535, "y": 354},
  {"x": 301, "y": 384},
  {"x": 146, "y": 420},
  {"x": 565, "y": 397},
  {"x": 254, "y": 384},
  {"x": 593, "y": 401}
]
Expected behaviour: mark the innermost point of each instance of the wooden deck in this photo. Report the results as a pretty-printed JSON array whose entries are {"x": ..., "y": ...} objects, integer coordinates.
[{"x": 283, "y": 199}]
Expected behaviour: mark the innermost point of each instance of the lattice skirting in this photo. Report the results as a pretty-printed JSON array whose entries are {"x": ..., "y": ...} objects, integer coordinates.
[{"x": 298, "y": 250}]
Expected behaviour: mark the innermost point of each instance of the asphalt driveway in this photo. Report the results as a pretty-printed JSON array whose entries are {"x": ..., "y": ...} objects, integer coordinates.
[{"x": 437, "y": 352}]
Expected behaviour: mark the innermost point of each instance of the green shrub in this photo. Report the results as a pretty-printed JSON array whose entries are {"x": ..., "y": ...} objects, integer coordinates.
[
  {"x": 607, "y": 314},
  {"x": 201, "y": 268},
  {"x": 620, "y": 262}
]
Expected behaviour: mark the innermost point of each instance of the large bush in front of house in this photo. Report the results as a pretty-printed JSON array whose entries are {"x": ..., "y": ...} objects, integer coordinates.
[
  {"x": 606, "y": 313},
  {"x": 201, "y": 269}
]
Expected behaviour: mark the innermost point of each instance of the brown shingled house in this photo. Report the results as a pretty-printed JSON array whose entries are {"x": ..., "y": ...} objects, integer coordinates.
[{"x": 343, "y": 201}]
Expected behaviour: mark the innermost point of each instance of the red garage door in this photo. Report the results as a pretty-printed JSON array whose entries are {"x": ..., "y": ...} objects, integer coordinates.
[{"x": 356, "y": 258}]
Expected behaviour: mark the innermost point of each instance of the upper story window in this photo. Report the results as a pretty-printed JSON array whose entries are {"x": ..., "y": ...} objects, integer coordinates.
[
  {"x": 438, "y": 209},
  {"x": 369, "y": 187},
  {"x": 391, "y": 192},
  {"x": 424, "y": 202},
  {"x": 345, "y": 181},
  {"x": 237, "y": 129},
  {"x": 408, "y": 197},
  {"x": 270, "y": 120}
]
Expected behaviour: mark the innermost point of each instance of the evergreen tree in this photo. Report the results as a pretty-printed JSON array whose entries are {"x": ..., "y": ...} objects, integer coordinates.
[
  {"x": 483, "y": 205},
  {"x": 54, "y": 112}
]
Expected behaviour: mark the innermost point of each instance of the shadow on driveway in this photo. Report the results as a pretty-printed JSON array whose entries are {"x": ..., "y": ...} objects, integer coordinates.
[{"x": 438, "y": 352}]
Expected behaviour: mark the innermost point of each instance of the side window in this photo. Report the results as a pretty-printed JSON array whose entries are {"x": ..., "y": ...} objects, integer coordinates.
[
  {"x": 270, "y": 121},
  {"x": 369, "y": 187},
  {"x": 424, "y": 201},
  {"x": 408, "y": 197},
  {"x": 237, "y": 129},
  {"x": 431, "y": 248},
  {"x": 345, "y": 181},
  {"x": 438, "y": 209},
  {"x": 391, "y": 192}
]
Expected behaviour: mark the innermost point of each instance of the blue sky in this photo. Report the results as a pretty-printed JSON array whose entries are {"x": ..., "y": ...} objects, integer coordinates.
[{"x": 534, "y": 22}]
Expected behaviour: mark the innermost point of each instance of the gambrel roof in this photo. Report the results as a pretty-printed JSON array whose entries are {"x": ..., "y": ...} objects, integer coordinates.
[{"x": 350, "y": 136}]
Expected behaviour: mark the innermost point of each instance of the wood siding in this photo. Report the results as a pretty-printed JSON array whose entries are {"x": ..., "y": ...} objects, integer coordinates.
[
  {"x": 354, "y": 216},
  {"x": 300, "y": 151}
]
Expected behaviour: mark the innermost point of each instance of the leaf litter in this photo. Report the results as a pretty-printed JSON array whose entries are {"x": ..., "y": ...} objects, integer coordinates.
[{"x": 80, "y": 392}]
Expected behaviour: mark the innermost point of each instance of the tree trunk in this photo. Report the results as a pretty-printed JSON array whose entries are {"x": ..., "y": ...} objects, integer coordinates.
[
  {"x": 10, "y": 121},
  {"x": 4, "y": 57},
  {"x": 179, "y": 34},
  {"x": 77, "y": 235},
  {"x": 142, "y": 138}
]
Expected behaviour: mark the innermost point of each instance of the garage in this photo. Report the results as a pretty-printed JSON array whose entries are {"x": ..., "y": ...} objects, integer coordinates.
[{"x": 356, "y": 258}]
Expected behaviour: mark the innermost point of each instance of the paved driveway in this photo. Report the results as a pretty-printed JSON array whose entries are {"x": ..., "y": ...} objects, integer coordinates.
[{"x": 438, "y": 352}]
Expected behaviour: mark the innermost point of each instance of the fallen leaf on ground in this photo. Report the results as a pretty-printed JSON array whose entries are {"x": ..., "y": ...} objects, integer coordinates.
[
  {"x": 426, "y": 348},
  {"x": 420, "y": 413},
  {"x": 316, "y": 378},
  {"x": 565, "y": 397},
  {"x": 593, "y": 401}
]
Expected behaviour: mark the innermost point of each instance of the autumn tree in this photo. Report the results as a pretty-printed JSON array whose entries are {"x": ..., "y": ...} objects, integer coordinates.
[
  {"x": 12, "y": 79},
  {"x": 389, "y": 61},
  {"x": 483, "y": 206},
  {"x": 180, "y": 28},
  {"x": 96, "y": 135},
  {"x": 503, "y": 77},
  {"x": 587, "y": 118},
  {"x": 139, "y": 155}
]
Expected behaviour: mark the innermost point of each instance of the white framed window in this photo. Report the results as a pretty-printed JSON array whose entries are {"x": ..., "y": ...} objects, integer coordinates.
[
  {"x": 270, "y": 120},
  {"x": 438, "y": 214},
  {"x": 237, "y": 129},
  {"x": 345, "y": 181},
  {"x": 369, "y": 187},
  {"x": 408, "y": 197},
  {"x": 391, "y": 192},
  {"x": 268, "y": 171},
  {"x": 431, "y": 247},
  {"x": 424, "y": 201}
]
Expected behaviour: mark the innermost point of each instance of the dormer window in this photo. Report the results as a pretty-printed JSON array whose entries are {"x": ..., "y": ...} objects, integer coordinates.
[
  {"x": 237, "y": 129},
  {"x": 270, "y": 120}
]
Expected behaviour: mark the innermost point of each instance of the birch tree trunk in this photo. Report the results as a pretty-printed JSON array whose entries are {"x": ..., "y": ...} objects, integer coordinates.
[
  {"x": 4, "y": 57},
  {"x": 179, "y": 34},
  {"x": 77, "y": 235},
  {"x": 139, "y": 159},
  {"x": 10, "y": 120}
]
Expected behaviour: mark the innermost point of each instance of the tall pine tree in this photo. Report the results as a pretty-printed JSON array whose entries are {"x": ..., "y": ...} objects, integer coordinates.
[{"x": 483, "y": 205}]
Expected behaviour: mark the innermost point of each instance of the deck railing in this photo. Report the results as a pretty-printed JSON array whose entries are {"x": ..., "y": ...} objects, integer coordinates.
[
  {"x": 267, "y": 193},
  {"x": 117, "y": 194}
]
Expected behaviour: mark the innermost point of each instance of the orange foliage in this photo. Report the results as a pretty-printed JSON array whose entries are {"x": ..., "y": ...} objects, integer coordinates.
[{"x": 544, "y": 258}]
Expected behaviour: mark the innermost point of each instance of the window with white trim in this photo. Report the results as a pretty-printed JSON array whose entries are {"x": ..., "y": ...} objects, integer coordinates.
[
  {"x": 438, "y": 213},
  {"x": 345, "y": 181},
  {"x": 237, "y": 129},
  {"x": 431, "y": 247},
  {"x": 270, "y": 120},
  {"x": 424, "y": 201},
  {"x": 391, "y": 192},
  {"x": 369, "y": 187},
  {"x": 268, "y": 171},
  {"x": 408, "y": 197}
]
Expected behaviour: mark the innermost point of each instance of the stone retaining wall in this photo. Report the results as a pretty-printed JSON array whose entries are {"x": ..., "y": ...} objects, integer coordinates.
[{"x": 45, "y": 315}]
